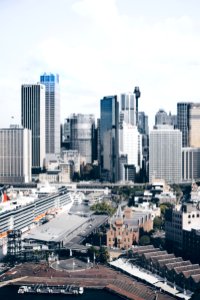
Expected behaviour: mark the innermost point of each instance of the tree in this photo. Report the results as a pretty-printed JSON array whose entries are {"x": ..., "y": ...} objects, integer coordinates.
[
  {"x": 92, "y": 251},
  {"x": 144, "y": 240},
  {"x": 165, "y": 206},
  {"x": 103, "y": 208},
  {"x": 103, "y": 255},
  {"x": 157, "y": 223}
]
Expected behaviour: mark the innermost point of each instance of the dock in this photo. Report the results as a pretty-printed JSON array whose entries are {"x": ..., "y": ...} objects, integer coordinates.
[{"x": 98, "y": 277}]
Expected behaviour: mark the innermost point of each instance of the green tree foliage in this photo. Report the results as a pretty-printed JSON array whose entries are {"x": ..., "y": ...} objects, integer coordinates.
[
  {"x": 103, "y": 255},
  {"x": 92, "y": 251},
  {"x": 103, "y": 208},
  {"x": 157, "y": 223},
  {"x": 165, "y": 206},
  {"x": 144, "y": 240}
]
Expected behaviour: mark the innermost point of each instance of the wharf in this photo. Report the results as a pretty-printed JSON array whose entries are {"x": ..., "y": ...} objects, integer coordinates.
[{"x": 98, "y": 277}]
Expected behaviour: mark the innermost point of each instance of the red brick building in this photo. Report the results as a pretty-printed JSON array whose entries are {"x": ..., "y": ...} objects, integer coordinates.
[{"x": 125, "y": 227}]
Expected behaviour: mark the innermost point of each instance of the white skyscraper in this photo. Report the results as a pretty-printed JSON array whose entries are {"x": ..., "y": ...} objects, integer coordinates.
[
  {"x": 131, "y": 145},
  {"x": 128, "y": 108},
  {"x": 165, "y": 154},
  {"x": 52, "y": 112},
  {"x": 15, "y": 155},
  {"x": 33, "y": 118}
]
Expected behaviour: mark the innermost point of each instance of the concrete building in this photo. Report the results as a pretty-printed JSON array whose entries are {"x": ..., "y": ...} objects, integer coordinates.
[
  {"x": 165, "y": 150},
  {"x": 33, "y": 118},
  {"x": 162, "y": 118},
  {"x": 74, "y": 156},
  {"x": 79, "y": 129},
  {"x": 191, "y": 244},
  {"x": 15, "y": 155},
  {"x": 109, "y": 138},
  {"x": 62, "y": 174},
  {"x": 185, "y": 217},
  {"x": 130, "y": 146},
  {"x": 190, "y": 164},
  {"x": 66, "y": 134},
  {"x": 194, "y": 125},
  {"x": 52, "y": 112},
  {"x": 128, "y": 108}
]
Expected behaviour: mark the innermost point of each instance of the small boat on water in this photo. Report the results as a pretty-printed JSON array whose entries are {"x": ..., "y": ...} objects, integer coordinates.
[{"x": 50, "y": 289}]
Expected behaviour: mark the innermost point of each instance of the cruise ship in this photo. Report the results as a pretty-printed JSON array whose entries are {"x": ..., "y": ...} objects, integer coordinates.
[{"x": 23, "y": 210}]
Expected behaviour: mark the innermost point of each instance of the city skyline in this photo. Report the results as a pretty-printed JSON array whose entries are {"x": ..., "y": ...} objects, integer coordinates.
[{"x": 100, "y": 48}]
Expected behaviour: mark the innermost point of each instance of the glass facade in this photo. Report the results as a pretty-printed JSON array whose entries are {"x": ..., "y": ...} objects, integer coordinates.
[
  {"x": 80, "y": 132},
  {"x": 33, "y": 118},
  {"x": 109, "y": 140},
  {"x": 52, "y": 112},
  {"x": 128, "y": 109},
  {"x": 183, "y": 121}
]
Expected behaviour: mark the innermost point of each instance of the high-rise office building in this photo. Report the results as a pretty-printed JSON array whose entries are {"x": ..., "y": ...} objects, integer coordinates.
[
  {"x": 128, "y": 108},
  {"x": 162, "y": 118},
  {"x": 130, "y": 149},
  {"x": 190, "y": 164},
  {"x": 143, "y": 124},
  {"x": 15, "y": 155},
  {"x": 165, "y": 152},
  {"x": 109, "y": 140},
  {"x": 183, "y": 121},
  {"x": 33, "y": 118},
  {"x": 194, "y": 125},
  {"x": 80, "y": 133},
  {"x": 52, "y": 112},
  {"x": 131, "y": 145}
]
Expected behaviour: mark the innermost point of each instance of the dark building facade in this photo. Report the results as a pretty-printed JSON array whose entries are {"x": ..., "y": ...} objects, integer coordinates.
[
  {"x": 109, "y": 138},
  {"x": 33, "y": 118},
  {"x": 183, "y": 121}
]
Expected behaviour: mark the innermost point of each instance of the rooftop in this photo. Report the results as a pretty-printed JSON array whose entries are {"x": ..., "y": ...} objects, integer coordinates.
[{"x": 58, "y": 229}]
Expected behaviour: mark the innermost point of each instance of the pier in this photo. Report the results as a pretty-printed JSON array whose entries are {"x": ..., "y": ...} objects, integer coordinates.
[{"x": 96, "y": 277}]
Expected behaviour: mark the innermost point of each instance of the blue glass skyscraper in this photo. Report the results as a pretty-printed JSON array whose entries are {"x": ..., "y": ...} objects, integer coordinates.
[
  {"x": 52, "y": 110},
  {"x": 109, "y": 141}
]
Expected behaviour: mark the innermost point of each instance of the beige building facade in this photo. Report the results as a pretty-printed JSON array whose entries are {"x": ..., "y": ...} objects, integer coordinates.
[{"x": 194, "y": 125}]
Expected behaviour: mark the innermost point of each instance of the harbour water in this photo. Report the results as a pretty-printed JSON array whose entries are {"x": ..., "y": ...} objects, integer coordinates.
[{"x": 10, "y": 292}]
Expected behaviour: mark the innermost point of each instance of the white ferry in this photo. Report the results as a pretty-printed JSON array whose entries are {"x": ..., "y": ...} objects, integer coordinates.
[{"x": 47, "y": 289}]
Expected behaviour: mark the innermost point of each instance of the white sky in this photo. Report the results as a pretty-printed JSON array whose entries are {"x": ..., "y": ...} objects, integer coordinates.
[{"x": 99, "y": 48}]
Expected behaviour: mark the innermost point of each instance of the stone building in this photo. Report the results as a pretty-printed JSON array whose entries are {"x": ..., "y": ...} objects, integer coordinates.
[{"x": 125, "y": 228}]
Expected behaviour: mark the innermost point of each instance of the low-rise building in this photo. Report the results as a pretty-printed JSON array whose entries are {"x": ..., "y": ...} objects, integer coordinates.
[
  {"x": 125, "y": 228},
  {"x": 181, "y": 225},
  {"x": 191, "y": 244},
  {"x": 175, "y": 270}
]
